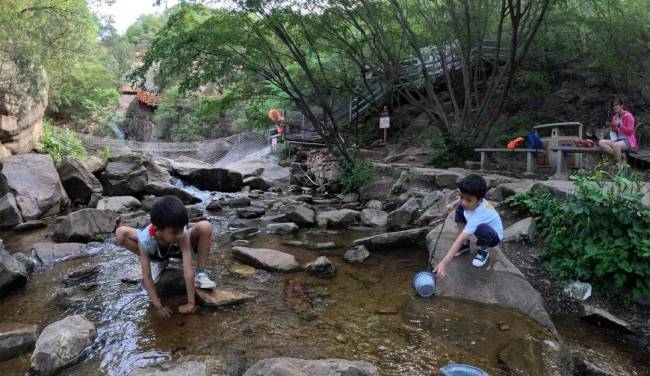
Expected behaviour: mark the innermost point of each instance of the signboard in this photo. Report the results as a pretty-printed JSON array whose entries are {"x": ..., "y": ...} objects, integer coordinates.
[
  {"x": 384, "y": 122},
  {"x": 274, "y": 141}
]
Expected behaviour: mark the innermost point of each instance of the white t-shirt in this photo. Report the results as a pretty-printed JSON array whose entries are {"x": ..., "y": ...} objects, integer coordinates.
[{"x": 484, "y": 213}]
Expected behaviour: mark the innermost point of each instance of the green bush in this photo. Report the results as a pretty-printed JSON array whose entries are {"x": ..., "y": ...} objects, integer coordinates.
[
  {"x": 356, "y": 174},
  {"x": 59, "y": 143},
  {"x": 449, "y": 150},
  {"x": 599, "y": 234},
  {"x": 283, "y": 150}
]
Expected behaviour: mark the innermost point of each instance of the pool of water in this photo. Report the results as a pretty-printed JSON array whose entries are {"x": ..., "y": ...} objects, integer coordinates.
[{"x": 367, "y": 312}]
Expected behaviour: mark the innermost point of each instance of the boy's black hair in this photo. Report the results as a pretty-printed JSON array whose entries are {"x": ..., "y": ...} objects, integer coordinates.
[
  {"x": 169, "y": 211},
  {"x": 473, "y": 185}
]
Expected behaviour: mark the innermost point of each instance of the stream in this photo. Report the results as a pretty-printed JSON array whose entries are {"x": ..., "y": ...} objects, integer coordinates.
[{"x": 367, "y": 312}]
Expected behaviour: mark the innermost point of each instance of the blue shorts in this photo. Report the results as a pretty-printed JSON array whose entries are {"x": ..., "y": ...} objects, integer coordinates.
[{"x": 486, "y": 236}]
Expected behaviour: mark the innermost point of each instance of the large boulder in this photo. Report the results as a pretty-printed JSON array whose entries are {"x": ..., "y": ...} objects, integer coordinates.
[
  {"x": 4, "y": 187},
  {"x": 79, "y": 183},
  {"x": 61, "y": 343},
  {"x": 16, "y": 338},
  {"x": 298, "y": 214},
  {"x": 524, "y": 230},
  {"x": 158, "y": 188},
  {"x": 337, "y": 218},
  {"x": 271, "y": 171},
  {"x": 267, "y": 259},
  {"x": 86, "y": 225},
  {"x": 36, "y": 185},
  {"x": 392, "y": 240},
  {"x": 505, "y": 190},
  {"x": 9, "y": 212},
  {"x": 129, "y": 174},
  {"x": 374, "y": 218},
  {"x": 299, "y": 367},
  {"x": 118, "y": 204},
  {"x": 206, "y": 176},
  {"x": 498, "y": 282},
  {"x": 12, "y": 272},
  {"x": 402, "y": 217},
  {"x": 256, "y": 182}
]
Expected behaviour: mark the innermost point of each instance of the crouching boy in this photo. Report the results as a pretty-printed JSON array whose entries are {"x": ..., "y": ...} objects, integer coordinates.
[
  {"x": 167, "y": 237},
  {"x": 474, "y": 216}
]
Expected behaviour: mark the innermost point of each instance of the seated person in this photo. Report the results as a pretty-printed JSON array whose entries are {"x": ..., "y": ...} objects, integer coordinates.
[{"x": 622, "y": 133}]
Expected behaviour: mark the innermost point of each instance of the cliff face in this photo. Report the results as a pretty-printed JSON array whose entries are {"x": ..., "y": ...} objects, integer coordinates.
[
  {"x": 139, "y": 124},
  {"x": 21, "y": 117}
]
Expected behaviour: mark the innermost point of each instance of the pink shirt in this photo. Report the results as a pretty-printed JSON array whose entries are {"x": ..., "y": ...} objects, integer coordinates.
[{"x": 624, "y": 126}]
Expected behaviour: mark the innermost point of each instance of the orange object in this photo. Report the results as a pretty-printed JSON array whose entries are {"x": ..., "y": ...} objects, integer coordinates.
[
  {"x": 275, "y": 115},
  {"x": 512, "y": 145},
  {"x": 279, "y": 129}
]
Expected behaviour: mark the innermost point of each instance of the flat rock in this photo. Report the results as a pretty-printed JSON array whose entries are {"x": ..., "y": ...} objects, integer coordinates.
[
  {"x": 86, "y": 225},
  {"x": 221, "y": 298},
  {"x": 16, "y": 338},
  {"x": 499, "y": 282},
  {"x": 30, "y": 225},
  {"x": 282, "y": 228},
  {"x": 503, "y": 191},
  {"x": 61, "y": 343},
  {"x": 398, "y": 239},
  {"x": 243, "y": 233},
  {"x": 251, "y": 212},
  {"x": 299, "y": 367},
  {"x": 12, "y": 272},
  {"x": 337, "y": 218},
  {"x": 603, "y": 317},
  {"x": 214, "y": 205},
  {"x": 267, "y": 259},
  {"x": 294, "y": 243},
  {"x": 186, "y": 368},
  {"x": 118, "y": 204},
  {"x": 243, "y": 270},
  {"x": 559, "y": 188},
  {"x": 158, "y": 188},
  {"x": 321, "y": 246},
  {"x": 237, "y": 202},
  {"x": 357, "y": 254},
  {"x": 241, "y": 243},
  {"x": 298, "y": 214},
  {"x": 49, "y": 252},
  {"x": 81, "y": 275}
]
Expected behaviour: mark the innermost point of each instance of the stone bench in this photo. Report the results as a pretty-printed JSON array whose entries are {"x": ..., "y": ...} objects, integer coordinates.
[
  {"x": 561, "y": 165},
  {"x": 531, "y": 160}
]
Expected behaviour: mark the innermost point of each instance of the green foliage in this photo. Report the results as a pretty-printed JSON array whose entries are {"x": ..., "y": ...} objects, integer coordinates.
[
  {"x": 105, "y": 154},
  {"x": 599, "y": 234},
  {"x": 356, "y": 174},
  {"x": 60, "y": 143},
  {"x": 447, "y": 149},
  {"x": 283, "y": 150}
]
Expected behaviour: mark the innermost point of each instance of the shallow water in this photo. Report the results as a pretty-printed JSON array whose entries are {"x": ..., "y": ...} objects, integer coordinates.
[{"x": 367, "y": 312}]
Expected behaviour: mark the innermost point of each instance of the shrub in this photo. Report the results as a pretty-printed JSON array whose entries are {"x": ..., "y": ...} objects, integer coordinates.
[
  {"x": 599, "y": 234},
  {"x": 448, "y": 150},
  {"x": 283, "y": 150},
  {"x": 59, "y": 143},
  {"x": 356, "y": 174}
]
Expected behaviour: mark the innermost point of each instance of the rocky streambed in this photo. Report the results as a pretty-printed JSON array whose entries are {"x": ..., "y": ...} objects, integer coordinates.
[{"x": 302, "y": 276}]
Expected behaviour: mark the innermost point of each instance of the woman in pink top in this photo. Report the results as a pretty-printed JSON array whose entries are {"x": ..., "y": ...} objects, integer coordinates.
[{"x": 622, "y": 125}]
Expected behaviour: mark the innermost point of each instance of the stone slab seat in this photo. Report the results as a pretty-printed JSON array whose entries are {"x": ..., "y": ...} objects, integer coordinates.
[
  {"x": 531, "y": 161},
  {"x": 499, "y": 282}
]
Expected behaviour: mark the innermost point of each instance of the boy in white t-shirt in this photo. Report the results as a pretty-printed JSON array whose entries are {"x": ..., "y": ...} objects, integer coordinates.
[{"x": 474, "y": 216}]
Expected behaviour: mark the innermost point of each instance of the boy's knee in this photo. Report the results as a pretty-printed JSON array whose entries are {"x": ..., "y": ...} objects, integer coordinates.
[{"x": 204, "y": 228}]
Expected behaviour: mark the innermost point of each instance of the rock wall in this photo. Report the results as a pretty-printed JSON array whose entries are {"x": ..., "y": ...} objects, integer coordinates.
[
  {"x": 21, "y": 118},
  {"x": 139, "y": 124}
]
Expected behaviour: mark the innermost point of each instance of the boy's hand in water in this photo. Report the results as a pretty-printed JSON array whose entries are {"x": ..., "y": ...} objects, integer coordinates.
[
  {"x": 163, "y": 312},
  {"x": 440, "y": 270},
  {"x": 187, "y": 308}
]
